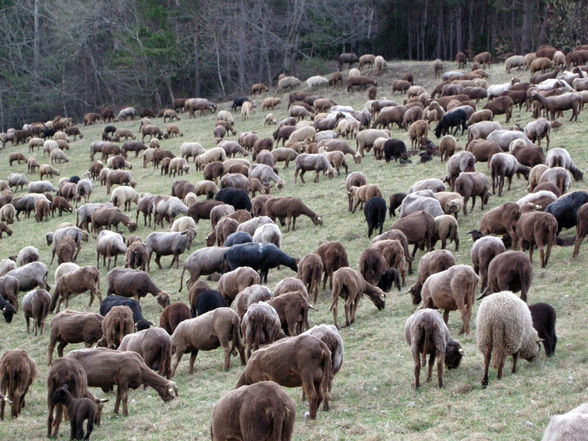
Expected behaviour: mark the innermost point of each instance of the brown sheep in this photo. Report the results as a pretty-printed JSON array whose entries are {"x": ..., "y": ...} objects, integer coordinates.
[
  {"x": 35, "y": 305},
  {"x": 450, "y": 290},
  {"x": 154, "y": 345},
  {"x": 117, "y": 323},
  {"x": 540, "y": 64},
  {"x": 510, "y": 271},
  {"x": 65, "y": 250},
  {"x": 290, "y": 284},
  {"x": 483, "y": 251},
  {"x": 310, "y": 271},
  {"x": 447, "y": 147},
  {"x": 470, "y": 185},
  {"x": 81, "y": 280},
  {"x": 107, "y": 367},
  {"x": 59, "y": 203},
  {"x": 286, "y": 210},
  {"x": 581, "y": 228},
  {"x": 42, "y": 210},
  {"x": 17, "y": 372},
  {"x": 418, "y": 132},
  {"x": 137, "y": 256},
  {"x": 194, "y": 292},
  {"x": 393, "y": 254},
  {"x": 483, "y": 150},
  {"x": 172, "y": 315},
  {"x": 207, "y": 332},
  {"x": 537, "y": 229},
  {"x": 128, "y": 282},
  {"x": 350, "y": 285},
  {"x": 431, "y": 263},
  {"x": 292, "y": 308},
  {"x": 363, "y": 193},
  {"x": 333, "y": 256},
  {"x": 362, "y": 82},
  {"x": 295, "y": 361},
  {"x": 501, "y": 105},
  {"x": 262, "y": 411},
  {"x": 501, "y": 220},
  {"x": 419, "y": 228},
  {"x": 74, "y": 327},
  {"x": 233, "y": 282},
  {"x": 372, "y": 265}
]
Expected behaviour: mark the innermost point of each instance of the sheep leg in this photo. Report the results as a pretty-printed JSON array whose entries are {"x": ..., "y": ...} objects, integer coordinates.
[
  {"x": 430, "y": 367},
  {"x": 227, "y": 362},
  {"x": 531, "y": 247},
  {"x": 445, "y": 316},
  {"x": 515, "y": 359},
  {"x": 487, "y": 356},
  {"x": 192, "y": 360},
  {"x": 440, "y": 363},
  {"x": 348, "y": 313},
  {"x": 157, "y": 257},
  {"x": 27, "y": 319},
  {"x": 179, "y": 353},
  {"x": 417, "y": 369},
  {"x": 335, "y": 315}
]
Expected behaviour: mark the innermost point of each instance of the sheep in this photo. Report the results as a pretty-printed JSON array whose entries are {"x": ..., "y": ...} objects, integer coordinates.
[
  {"x": 288, "y": 209},
  {"x": 260, "y": 256},
  {"x": 446, "y": 228},
  {"x": 432, "y": 184},
  {"x": 570, "y": 426},
  {"x": 17, "y": 372},
  {"x": 109, "y": 244},
  {"x": 260, "y": 325},
  {"x": 206, "y": 332},
  {"x": 544, "y": 317},
  {"x": 124, "y": 195},
  {"x": 472, "y": 184},
  {"x": 561, "y": 158},
  {"x": 268, "y": 233},
  {"x": 504, "y": 326},
  {"x": 482, "y": 129},
  {"x": 117, "y": 323},
  {"x": 134, "y": 283},
  {"x": 154, "y": 345},
  {"x": 30, "y": 276},
  {"x": 414, "y": 202},
  {"x": 35, "y": 304},
  {"x": 566, "y": 207},
  {"x": 350, "y": 285},
  {"x": 420, "y": 328},
  {"x": 74, "y": 327},
  {"x": 505, "y": 165},
  {"x": 366, "y": 138},
  {"x": 460, "y": 162},
  {"x": 568, "y": 101},
  {"x": 233, "y": 282},
  {"x": 511, "y": 270},
  {"x": 203, "y": 261},
  {"x": 537, "y": 229},
  {"x": 6, "y": 265},
  {"x": 168, "y": 208},
  {"x": 558, "y": 176},
  {"x": 292, "y": 309}
]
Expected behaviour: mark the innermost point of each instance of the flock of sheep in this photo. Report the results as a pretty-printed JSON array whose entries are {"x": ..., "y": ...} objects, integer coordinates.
[{"x": 270, "y": 329}]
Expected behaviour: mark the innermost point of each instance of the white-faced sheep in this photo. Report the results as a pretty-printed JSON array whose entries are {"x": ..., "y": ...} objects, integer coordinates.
[{"x": 504, "y": 327}]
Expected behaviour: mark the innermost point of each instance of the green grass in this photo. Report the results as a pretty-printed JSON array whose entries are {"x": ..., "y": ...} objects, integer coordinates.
[{"x": 372, "y": 396}]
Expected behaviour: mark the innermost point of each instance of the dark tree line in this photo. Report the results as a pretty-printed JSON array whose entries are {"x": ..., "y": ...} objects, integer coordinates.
[{"x": 69, "y": 57}]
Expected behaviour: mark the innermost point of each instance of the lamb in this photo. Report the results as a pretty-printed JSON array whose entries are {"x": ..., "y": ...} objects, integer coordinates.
[
  {"x": 570, "y": 426},
  {"x": 288, "y": 209},
  {"x": 203, "y": 261},
  {"x": 6, "y": 265},
  {"x": 309, "y": 361},
  {"x": 420, "y": 328},
  {"x": 561, "y": 158},
  {"x": 109, "y": 244},
  {"x": 172, "y": 315},
  {"x": 350, "y": 285},
  {"x": 455, "y": 118},
  {"x": 79, "y": 409},
  {"x": 134, "y": 283},
  {"x": 537, "y": 130},
  {"x": 504, "y": 326},
  {"x": 375, "y": 214},
  {"x": 65, "y": 250},
  {"x": 206, "y": 332},
  {"x": 537, "y": 229},
  {"x": 472, "y": 184},
  {"x": 452, "y": 289},
  {"x": 155, "y": 347},
  {"x": 17, "y": 372},
  {"x": 107, "y": 367},
  {"x": 74, "y": 327},
  {"x": 258, "y": 256}
]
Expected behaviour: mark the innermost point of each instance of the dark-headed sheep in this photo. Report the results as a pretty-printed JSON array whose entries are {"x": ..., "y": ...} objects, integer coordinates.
[
  {"x": 504, "y": 327},
  {"x": 260, "y": 256},
  {"x": 172, "y": 315},
  {"x": 111, "y": 301},
  {"x": 544, "y": 317},
  {"x": 565, "y": 209}
]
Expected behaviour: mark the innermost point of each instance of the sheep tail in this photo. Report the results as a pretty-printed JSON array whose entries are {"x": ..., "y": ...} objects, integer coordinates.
[
  {"x": 336, "y": 291},
  {"x": 54, "y": 298},
  {"x": 425, "y": 345}
]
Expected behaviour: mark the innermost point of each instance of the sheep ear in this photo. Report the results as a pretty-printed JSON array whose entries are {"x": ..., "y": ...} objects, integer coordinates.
[
  {"x": 103, "y": 400},
  {"x": 4, "y": 309},
  {"x": 461, "y": 351}
]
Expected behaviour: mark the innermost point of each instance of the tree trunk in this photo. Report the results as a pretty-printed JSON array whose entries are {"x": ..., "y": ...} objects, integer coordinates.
[
  {"x": 527, "y": 27},
  {"x": 458, "y": 30},
  {"x": 36, "y": 39},
  {"x": 196, "y": 61}
]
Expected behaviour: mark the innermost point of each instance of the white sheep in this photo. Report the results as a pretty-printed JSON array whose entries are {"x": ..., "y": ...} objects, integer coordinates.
[
  {"x": 27, "y": 255},
  {"x": 514, "y": 61},
  {"x": 415, "y": 202},
  {"x": 64, "y": 268},
  {"x": 380, "y": 63},
  {"x": 537, "y": 130},
  {"x": 182, "y": 224},
  {"x": 48, "y": 146},
  {"x": 499, "y": 89},
  {"x": 432, "y": 184},
  {"x": 270, "y": 120},
  {"x": 504, "y": 327},
  {"x": 354, "y": 72},
  {"x": 124, "y": 196},
  {"x": 505, "y": 137},
  {"x": 7, "y": 213},
  {"x": 225, "y": 115},
  {"x": 301, "y": 134},
  {"x": 191, "y": 149},
  {"x": 190, "y": 199},
  {"x": 6, "y": 265},
  {"x": 571, "y": 426},
  {"x": 316, "y": 81},
  {"x": 482, "y": 129},
  {"x": 214, "y": 154},
  {"x": 561, "y": 158},
  {"x": 178, "y": 165},
  {"x": 57, "y": 155},
  {"x": 268, "y": 233}
]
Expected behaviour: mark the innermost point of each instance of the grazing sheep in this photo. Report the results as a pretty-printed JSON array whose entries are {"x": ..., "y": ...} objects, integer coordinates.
[
  {"x": 17, "y": 372},
  {"x": 571, "y": 426},
  {"x": 431, "y": 263},
  {"x": 203, "y": 261},
  {"x": 511, "y": 270},
  {"x": 561, "y": 158},
  {"x": 232, "y": 283},
  {"x": 470, "y": 185},
  {"x": 505, "y": 165},
  {"x": 446, "y": 228},
  {"x": 544, "y": 317},
  {"x": 128, "y": 282},
  {"x": 537, "y": 130},
  {"x": 27, "y": 255},
  {"x": 537, "y": 229},
  {"x": 558, "y": 176},
  {"x": 482, "y": 253},
  {"x": 427, "y": 334},
  {"x": 35, "y": 305},
  {"x": 109, "y": 244},
  {"x": 504, "y": 327},
  {"x": 172, "y": 315},
  {"x": 260, "y": 326},
  {"x": 154, "y": 345},
  {"x": 350, "y": 285},
  {"x": 416, "y": 202}
]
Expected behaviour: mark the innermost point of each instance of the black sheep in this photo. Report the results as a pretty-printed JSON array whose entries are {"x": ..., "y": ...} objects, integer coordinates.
[
  {"x": 395, "y": 201},
  {"x": 238, "y": 102},
  {"x": 565, "y": 209},
  {"x": 390, "y": 278},
  {"x": 544, "y": 316},
  {"x": 78, "y": 410},
  {"x": 375, "y": 214},
  {"x": 110, "y": 301},
  {"x": 259, "y": 256},
  {"x": 7, "y": 309},
  {"x": 453, "y": 354},
  {"x": 234, "y": 196},
  {"x": 454, "y": 118},
  {"x": 74, "y": 179},
  {"x": 209, "y": 300},
  {"x": 395, "y": 148},
  {"x": 237, "y": 238},
  {"x": 107, "y": 131}
]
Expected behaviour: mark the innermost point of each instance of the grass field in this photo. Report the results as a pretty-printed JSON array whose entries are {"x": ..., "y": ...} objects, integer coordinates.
[{"x": 372, "y": 395}]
